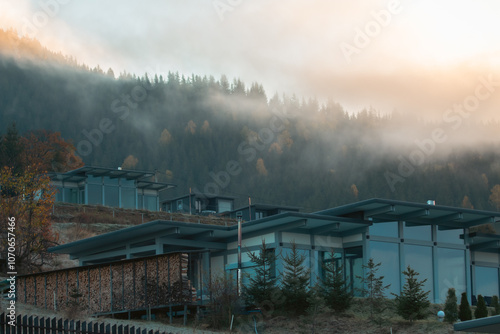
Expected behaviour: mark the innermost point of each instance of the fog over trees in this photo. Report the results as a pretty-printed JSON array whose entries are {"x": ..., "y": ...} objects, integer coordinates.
[{"x": 222, "y": 135}]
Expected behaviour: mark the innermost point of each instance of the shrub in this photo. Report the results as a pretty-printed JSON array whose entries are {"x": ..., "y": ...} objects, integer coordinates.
[
  {"x": 224, "y": 300},
  {"x": 464, "y": 311},
  {"x": 495, "y": 305},
  {"x": 413, "y": 302},
  {"x": 261, "y": 285},
  {"x": 451, "y": 307},
  {"x": 334, "y": 288},
  {"x": 481, "y": 310},
  {"x": 295, "y": 282},
  {"x": 374, "y": 291}
]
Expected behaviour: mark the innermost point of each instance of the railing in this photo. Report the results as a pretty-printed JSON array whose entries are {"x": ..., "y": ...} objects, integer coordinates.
[{"x": 53, "y": 325}]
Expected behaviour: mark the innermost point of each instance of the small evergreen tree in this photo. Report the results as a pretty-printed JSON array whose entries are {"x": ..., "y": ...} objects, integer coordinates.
[
  {"x": 295, "y": 282},
  {"x": 374, "y": 290},
  {"x": 481, "y": 310},
  {"x": 413, "y": 302},
  {"x": 262, "y": 285},
  {"x": 334, "y": 288},
  {"x": 464, "y": 311},
  {"x": 495, "y": 305},
  {"x": 451, "y": 307}
]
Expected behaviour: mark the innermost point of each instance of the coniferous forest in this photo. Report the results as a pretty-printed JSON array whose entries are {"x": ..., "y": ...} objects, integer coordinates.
[{"x": 223, "y": 135}]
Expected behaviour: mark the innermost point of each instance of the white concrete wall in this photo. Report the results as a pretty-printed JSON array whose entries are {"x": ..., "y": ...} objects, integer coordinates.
[
  {"x": 327, "y": 241},
  {"x": 485, "y": 257},
  {"x": 255, "y": 241}
]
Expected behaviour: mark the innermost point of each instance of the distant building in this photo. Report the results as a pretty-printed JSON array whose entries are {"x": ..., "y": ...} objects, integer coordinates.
[
  {"x": 121, "y": 188},
  {"x": 198, "y": 204},
  {"x": 434, "y": 240},
  {"x": 259, "y": 211}
]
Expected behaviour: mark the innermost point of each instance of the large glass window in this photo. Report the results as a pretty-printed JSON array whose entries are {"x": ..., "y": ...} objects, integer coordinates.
[
  {"x": 111, "y": 196},
  {"x": 385, "y": 229},
  {"x": 71, "y": 195},
  {"x": 419, "y": 232},
  {"x": 224, "y": 205},
  {"x": 419, "y": 258},
  {"x": 486, "y": 283},
  {"x": 451, "y": 271},
  {"x": 450, "y": 236},
  {"x": 94, "y": 180},
  {"x": 127, "y": 183},
  {"x": 387, "y": 254},
  {"x": 325, "y": 258},
  {"x": 128, "y": 198},
  {"x": 59, "y": 194},
  {"x": 354, "y": 268},
  {"x": 110, "y": 181},
  {"x": 94, "y": 194},
  {"x": 150, "y": 203}
]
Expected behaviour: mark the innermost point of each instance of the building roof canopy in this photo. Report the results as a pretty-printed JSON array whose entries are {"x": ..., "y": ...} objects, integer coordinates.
[{"x": 383, "y": 210}]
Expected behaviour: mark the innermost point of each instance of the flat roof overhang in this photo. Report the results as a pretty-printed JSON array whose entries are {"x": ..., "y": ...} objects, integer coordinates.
[
  {"x": 483, "y": 242},
  {"x": 483, "y": 325},
  {"x": 80, "y": 174},
  {"x": 182, "y": 235},
  {"x": 383, "y": 210}
]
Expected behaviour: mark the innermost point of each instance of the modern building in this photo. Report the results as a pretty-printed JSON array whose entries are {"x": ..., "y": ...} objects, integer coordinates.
[
  {"x": 437, "y": 241},
  {"x": 121, "y": 188},
  {"x": 199, "y": 203},
  {"x": 259, "y": 211}
]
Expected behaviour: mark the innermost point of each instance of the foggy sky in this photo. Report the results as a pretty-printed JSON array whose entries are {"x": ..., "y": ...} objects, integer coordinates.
[{"x": 421, "y": 57}]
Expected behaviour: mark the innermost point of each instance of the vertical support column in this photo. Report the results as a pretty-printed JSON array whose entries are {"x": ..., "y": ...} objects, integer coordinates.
[
  {"x": 401, "y": 248},
  {"x": 435, "y": 268},
  {"x": 205, "y": 274},
  {"x": 313, "y": 262},
  {"x": 469, "y": 279}
]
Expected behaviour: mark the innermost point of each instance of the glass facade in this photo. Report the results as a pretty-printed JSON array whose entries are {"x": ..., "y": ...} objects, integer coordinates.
[
  {"x": 94, "y": 194},
  {"x": 128, "y": 198},
  {"x": 150, "y": 203},
  {"x": 419, "y": 258},
  {"x": 450, "y": 272},
  {"x": 353, "y": 258},
  {"x": 385, "y": 229},
  {"x": 387, "y": 254},
  {"x": 111, "y": 196},
  {"x": 419, "y": 232},
  {"x": 486, "y": 283},
  {"x": 450, "y": 236}
]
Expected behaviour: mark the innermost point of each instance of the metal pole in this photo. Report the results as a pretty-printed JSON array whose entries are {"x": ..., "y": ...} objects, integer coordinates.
[{"x": 238, "y": 279}]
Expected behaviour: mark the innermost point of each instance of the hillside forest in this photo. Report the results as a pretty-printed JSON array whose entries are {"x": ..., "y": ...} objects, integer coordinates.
[{"x": 225, "y": 136}]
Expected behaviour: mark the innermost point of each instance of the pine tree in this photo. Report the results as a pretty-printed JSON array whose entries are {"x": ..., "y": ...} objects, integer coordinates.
[
  {"x": 495, "y": 305},
  {"x": 451, "y": 307},
  {"x": 294, "y": 285},
  {"x": 334, "y": 288},
  {"x": 464, "y": 311},
  {"x": 413, "y": 302},
  {"x": 374, "y": 290},
  {"x": 481, "y": 310},
  {"x": 262, "y": 284}
]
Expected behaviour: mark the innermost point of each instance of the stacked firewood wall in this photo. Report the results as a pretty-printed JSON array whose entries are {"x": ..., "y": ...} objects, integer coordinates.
[{"x": 118, "y": 286}]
